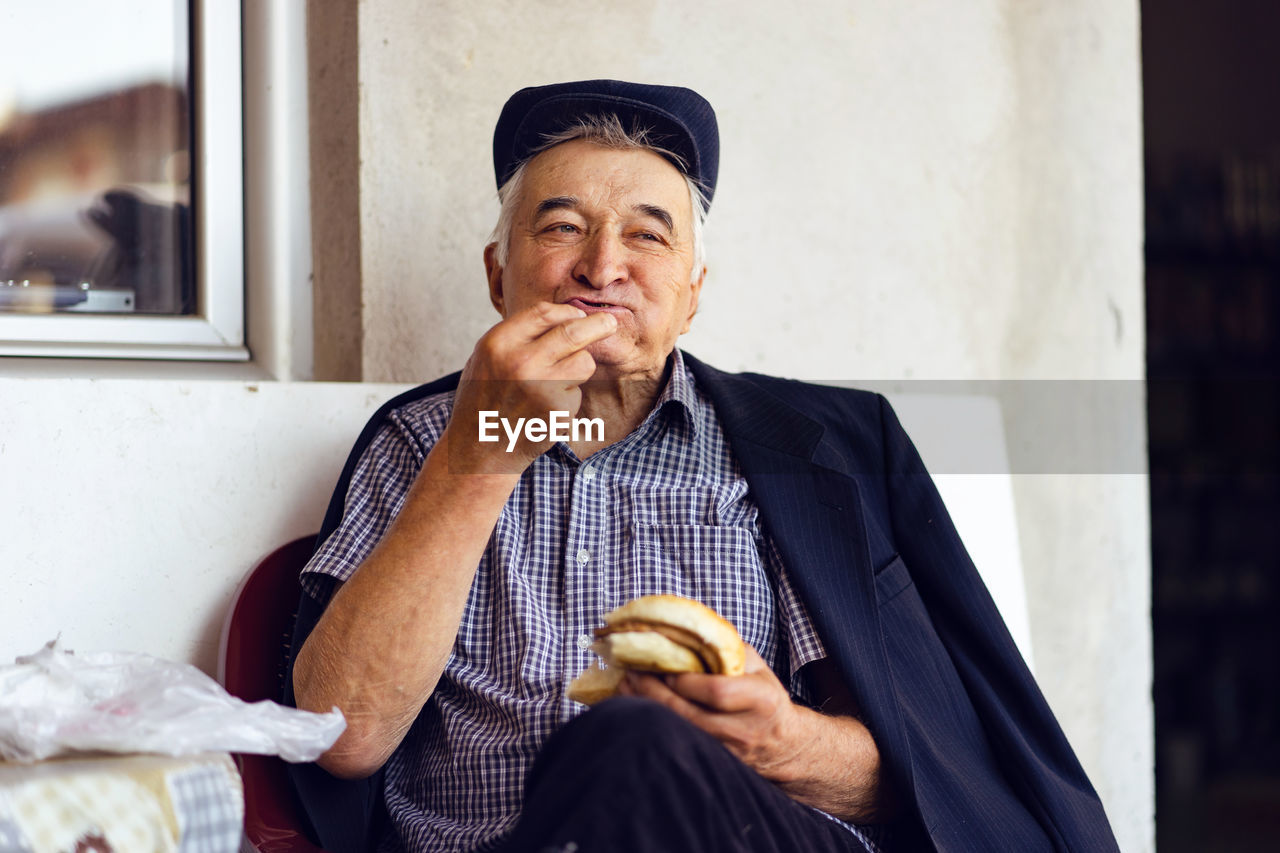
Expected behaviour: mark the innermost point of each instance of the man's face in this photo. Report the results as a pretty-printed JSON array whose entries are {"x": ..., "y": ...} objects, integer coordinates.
[{"x": 604, "y": 230}]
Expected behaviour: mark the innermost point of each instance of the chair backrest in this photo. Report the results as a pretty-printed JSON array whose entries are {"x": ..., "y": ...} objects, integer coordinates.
[{"x": 251, "y": 665}]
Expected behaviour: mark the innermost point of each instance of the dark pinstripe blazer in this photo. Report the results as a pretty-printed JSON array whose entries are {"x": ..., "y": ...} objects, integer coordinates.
[
  {"x": 963, "y": 730},
  {"x": 961, "y": 725}
]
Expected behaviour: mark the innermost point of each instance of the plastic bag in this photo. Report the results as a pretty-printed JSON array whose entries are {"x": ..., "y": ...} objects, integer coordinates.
[{"x": 55, "y": 701}]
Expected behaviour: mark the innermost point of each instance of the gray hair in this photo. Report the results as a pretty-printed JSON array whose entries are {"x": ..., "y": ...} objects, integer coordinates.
[{"x": 605, "y": 130}]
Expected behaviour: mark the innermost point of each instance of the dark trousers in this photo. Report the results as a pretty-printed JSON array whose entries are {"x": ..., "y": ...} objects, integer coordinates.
[{"x": 629, "y": 776}]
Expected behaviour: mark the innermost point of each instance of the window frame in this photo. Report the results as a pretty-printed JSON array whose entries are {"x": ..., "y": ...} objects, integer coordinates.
[{"x": 217, "y": 332}]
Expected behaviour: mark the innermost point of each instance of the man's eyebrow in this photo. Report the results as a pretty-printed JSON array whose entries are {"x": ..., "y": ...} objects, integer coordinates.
[
  {"x": 559, "y": 202},
  {"x": 659, "y": 213}
]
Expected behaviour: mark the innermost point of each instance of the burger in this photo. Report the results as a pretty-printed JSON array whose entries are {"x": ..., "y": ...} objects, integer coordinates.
[{"x": 658, "y": 633}]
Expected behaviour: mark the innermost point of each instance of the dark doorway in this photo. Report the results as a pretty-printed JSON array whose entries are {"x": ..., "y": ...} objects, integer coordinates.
[{"x": 1212, "y": 140}]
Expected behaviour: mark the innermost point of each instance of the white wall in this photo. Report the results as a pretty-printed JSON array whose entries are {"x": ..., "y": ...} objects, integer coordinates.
[
  {"x": 130, "y": 509},
  {"x": 921, "y": 190}
]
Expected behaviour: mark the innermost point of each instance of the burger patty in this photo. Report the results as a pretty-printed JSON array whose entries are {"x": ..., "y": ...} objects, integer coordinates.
[{"x": 706, "y": 654}]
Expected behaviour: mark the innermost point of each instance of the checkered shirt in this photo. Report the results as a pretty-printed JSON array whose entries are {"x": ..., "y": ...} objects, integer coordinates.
[{"x": 665, "y": 510}]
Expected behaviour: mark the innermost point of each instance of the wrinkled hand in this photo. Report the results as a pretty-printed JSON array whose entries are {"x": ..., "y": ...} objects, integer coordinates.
[
  {"x": 751, "y": 714},
  {"x": 830, "y": 762},
  {"x": 526, "y": 366}
]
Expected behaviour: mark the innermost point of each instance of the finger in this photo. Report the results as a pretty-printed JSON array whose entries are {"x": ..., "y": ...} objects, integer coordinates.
[
  {"x": 574, "y": 369},
  {"x": 646, "y": 684},
  {"x": 726, "y": 728},
  {"x": 724, "y": 694},
  {"x": 572, "y": 336},
  {"x": 526, "y": 347},
  {"x": 656, "y": 688},
  {"x": 512, "y": 336},
  {"x": 535, "y": 320},
  {"x": 755, "y": 663},
  {"x": 528, "y": 325}
]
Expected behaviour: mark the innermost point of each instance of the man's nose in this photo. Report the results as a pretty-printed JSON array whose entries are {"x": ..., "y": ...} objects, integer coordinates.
[{"x": 603, "y": 260}]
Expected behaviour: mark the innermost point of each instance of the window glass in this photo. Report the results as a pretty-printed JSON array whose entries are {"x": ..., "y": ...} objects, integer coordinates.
[{"x": 95, "y": 190}]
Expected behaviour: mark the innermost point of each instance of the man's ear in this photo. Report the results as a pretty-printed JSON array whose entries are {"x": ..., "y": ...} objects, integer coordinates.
[
  {"x": 493, "y": 272},
  {"x": 695, "y": 293}
]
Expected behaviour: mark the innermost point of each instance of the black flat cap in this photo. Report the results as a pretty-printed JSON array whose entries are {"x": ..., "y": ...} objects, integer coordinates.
[{"x": 680, "y": 119}]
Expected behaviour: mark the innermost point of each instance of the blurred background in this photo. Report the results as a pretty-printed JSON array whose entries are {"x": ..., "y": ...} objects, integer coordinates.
[
  {"x": 1212, "y": 157},
  {"x": 94, "y": 177}
]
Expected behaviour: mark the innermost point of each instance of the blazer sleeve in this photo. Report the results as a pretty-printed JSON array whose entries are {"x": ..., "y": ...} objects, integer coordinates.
[{"x": 1025, "y": 740}]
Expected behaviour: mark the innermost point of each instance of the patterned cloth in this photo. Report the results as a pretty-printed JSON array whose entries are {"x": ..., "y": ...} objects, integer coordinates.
[
  {"x": 664, "y": 510},
  {"x": 143, "y": 803}
]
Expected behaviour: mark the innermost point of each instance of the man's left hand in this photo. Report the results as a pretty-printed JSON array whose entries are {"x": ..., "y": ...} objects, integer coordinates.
[{"x": 830, "y": 762}]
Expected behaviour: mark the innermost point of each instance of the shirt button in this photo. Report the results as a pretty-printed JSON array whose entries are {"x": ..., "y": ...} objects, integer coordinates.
[
  {"x": 584, "y": 641},
  {"x": 584, "y": 556},
  {"x": 588, "y": 473}
]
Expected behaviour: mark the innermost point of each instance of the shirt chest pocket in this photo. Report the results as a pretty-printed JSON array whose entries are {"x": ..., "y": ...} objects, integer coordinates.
[{"x": 717, "y": 565}]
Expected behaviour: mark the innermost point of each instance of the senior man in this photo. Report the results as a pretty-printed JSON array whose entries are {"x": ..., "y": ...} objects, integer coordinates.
[{"x": 457, "y": 579}]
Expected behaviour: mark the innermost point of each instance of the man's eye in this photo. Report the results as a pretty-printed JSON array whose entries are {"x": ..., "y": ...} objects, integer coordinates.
[
  {"x": 564, "y": 228},
  {"x": 648, "y": 235}
]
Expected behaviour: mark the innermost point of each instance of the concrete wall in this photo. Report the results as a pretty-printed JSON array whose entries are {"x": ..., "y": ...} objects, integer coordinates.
[
  {"x": 131, "y": 508},
  {"x": 909, "y": 191}
]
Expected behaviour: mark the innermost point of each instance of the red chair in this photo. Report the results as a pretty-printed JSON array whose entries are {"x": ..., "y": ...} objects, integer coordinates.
[{"x": 251, "y": 665}]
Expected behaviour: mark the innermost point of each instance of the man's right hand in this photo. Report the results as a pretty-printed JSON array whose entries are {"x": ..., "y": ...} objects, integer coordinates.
[
  {"x": 383, "y": 641},
  {"x": 528, "y": 365}
]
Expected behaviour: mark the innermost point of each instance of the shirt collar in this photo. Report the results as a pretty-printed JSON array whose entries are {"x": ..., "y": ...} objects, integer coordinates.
[
  {"x": 678, "y": 403},
  {"x": 679, "y": 395}
]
